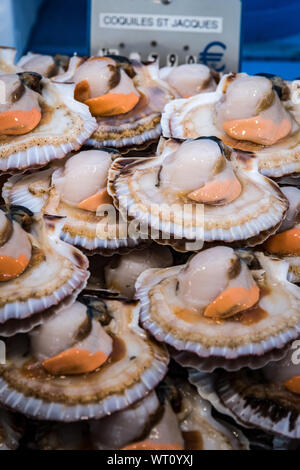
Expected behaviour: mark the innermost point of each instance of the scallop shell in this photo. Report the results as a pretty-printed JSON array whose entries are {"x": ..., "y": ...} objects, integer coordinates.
[
  {"x": 29, "y": 190},
  {"x": 230, "y": 339},
  {"x": 205, "y": 384},
  {"x": 209, "y": 364},
  {"x": 194, "y": 117},
  {"x": 36, "y": 192},
  {"x": 246, "y": 397},
  {"x": 16, "y": 325},
  {"x": 259, "y": 440},
  {"x": 141, "y": 126},
  {"x": 56, "y": 274},
  {"x": 250, "y": 219},
  {"x": 256, "y": 404},
  {"x": 66, "y": 124},
  {"x": 136, "y": 366}
]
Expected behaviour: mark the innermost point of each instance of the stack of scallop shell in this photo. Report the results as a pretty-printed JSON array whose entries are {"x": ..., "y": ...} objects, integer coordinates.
[{"x": 149, "y": 256}]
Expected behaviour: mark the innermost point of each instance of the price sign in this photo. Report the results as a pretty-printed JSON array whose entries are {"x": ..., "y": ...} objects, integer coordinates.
[{"x": 169, "y": 31}]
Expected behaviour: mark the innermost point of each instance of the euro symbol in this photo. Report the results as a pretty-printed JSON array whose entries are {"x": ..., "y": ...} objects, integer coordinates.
[{"x": 212, "y": 58}]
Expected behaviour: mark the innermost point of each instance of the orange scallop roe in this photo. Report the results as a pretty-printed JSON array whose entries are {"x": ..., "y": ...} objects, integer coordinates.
[
  {"x": 11, "y": 267},
  {"x": 74, "y": 361},
  {"x": 93, "y": 202},
  {"x": 284, "y": 243},
  {"x": 217, "y": 192},
  {"x": 112, "y": 104},
  {"x": 293, "y": 384},
  {"x": 152, "y": 445},
  {"x": 257, "y": 129},
  {"x": 232, "y": 301},
  {"x": 19, "y": 122}
]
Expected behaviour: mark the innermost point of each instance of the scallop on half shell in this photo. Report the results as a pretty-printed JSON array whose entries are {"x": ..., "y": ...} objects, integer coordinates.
[
  {"x": 266, "y": 399},
  {"x": 197, "y": 191},
  {"x": 86, "y": 362},
  {"x": 126, "y": 97},
  {"x": 77, "y": 191},
  {"x": 39, "y": 274},
  {"x": 255, "y": 114},
  {"x": 39, "y": 122},
  {"x": 215, "y": 306}
]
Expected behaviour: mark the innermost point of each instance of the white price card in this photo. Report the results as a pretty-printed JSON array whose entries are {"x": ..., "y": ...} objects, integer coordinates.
[{"x": 169, "y": 31}]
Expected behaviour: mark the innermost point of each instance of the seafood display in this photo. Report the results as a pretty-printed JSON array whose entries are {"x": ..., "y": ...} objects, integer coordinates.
[{"x": 149, "y": 256}]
